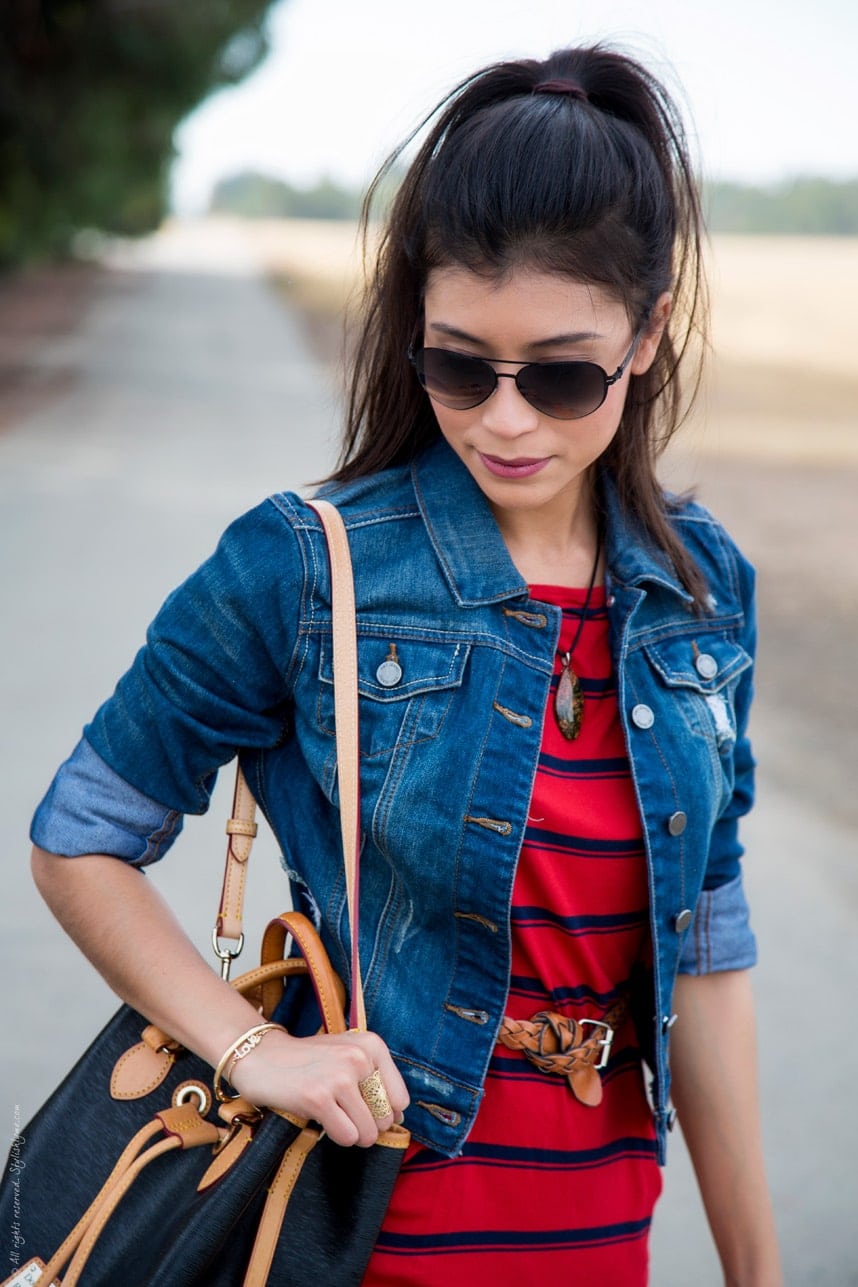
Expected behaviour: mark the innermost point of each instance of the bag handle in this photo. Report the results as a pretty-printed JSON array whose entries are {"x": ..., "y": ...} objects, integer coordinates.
[{"x": 241, "y": 826}]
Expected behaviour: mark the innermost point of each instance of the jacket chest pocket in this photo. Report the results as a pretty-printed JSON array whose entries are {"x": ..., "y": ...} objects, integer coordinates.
[
  {"x": 405, "y": 687},
  {"x": 702, "y": 676}
]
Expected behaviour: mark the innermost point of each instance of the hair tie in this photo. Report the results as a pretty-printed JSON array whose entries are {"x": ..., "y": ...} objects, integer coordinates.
[{"x": 570, "y": 87}]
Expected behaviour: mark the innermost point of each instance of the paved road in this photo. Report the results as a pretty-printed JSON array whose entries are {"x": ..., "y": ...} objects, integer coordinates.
[{"x": 195, "y": 396}]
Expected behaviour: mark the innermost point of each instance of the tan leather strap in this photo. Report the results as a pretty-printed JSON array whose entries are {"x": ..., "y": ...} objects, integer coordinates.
[
  {"x": 241, "y": 827},
  {"x": 574, "y": 1049},
  {"x": 241, "y": 831},
  {"x": 183, "y": 1128},
  {"x": 327, "y": 984},
  {"x": 109, "y": 1202},
  {"x": 344, "y": 646},
  {"x": 132, "y": 1148},
  {"x": 254, "y": 984},
  {"x": 265, "y": 1244}
]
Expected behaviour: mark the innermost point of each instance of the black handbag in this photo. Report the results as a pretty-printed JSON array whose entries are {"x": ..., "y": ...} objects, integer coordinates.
[{"x": 132, "y": 1174}]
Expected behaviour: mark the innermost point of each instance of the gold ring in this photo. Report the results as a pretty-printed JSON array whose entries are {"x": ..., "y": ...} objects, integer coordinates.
[{"x": 375, "y": 1096}]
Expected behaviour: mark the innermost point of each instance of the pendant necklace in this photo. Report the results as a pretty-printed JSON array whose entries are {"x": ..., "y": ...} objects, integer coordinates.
[{"x": 569, "y": 698}]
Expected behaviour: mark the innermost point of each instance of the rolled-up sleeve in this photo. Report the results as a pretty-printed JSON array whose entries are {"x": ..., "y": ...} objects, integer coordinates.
[
  {"x": 89, "y": 809},
  {"x": 720, "y": 936}
]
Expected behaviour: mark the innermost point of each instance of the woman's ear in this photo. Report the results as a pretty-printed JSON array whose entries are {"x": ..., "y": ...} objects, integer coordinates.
[{"x": 651, "y": 334}]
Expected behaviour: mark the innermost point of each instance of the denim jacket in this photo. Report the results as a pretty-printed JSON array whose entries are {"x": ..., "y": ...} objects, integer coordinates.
[{"x": 239, "y": 660}]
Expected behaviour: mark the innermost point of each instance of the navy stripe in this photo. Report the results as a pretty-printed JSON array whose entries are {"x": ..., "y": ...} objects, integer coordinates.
[
  {"x": 608, "y": 768},
  {"x": 597, "y": 613},
  {"x": 545, "y": 1158},
  {"x": 510, "y": 1240},
  {"x": 515, "y": 1069},
  {"x": 621, "y": 1063},
  {"x": 557, "y": 842},
  {"x": 512, "y": 1066},
  {"x": 531, "y": 916},
  {"x": 523, "y": 985},
  {"x": 595, "y": 688}
]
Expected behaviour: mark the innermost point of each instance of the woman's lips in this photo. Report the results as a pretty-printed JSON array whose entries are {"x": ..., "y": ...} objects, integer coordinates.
[{"x": 521, "y": 467}]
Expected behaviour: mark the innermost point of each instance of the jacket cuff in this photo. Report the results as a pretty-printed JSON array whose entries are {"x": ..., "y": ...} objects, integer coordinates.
[
  {"x": 720, "y": 936},
  {"x": 90, "y": 809}
]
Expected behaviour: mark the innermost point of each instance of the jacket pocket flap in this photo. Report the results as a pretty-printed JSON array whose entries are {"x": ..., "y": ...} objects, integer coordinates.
[
  {"x": 391, "y": 669},
  {"x": 705, "y": 664}
]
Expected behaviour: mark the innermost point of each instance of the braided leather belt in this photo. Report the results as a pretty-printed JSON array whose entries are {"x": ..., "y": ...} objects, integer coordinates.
[{"x": 554, "y": 1043}]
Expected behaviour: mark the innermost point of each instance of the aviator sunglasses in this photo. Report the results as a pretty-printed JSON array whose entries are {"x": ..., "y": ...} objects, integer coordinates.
[{"x": 562, "y": 390}]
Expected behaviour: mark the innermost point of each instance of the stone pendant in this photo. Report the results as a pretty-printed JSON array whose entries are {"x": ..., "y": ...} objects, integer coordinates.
[{"x": 569, "y": 703}]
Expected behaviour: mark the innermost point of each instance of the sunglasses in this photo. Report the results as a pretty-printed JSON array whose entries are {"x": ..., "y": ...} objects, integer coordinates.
[{"x": 562, "y": 390}]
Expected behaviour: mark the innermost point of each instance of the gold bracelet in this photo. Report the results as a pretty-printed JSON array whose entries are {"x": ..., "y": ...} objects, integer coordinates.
[{"x": 242, "y": 1046}]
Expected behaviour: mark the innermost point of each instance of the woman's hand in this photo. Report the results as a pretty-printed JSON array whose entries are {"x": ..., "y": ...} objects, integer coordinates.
[
  {"x": 118, "y": 918},
  {"x": 319, "y": 1078}
]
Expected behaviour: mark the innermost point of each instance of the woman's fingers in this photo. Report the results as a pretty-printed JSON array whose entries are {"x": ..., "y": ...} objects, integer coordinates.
[
  {"x": 368, "y": 1102},
  {"x": 348, "y": 1083},
  {"x": 397, "y": 1091}
]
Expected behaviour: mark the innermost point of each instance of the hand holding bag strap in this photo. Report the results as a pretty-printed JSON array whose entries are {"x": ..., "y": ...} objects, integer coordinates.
[{"x": 346, "y": 721}]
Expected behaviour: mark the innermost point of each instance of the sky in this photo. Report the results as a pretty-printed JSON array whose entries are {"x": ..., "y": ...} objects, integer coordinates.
[{"x": 769, "y": 86}]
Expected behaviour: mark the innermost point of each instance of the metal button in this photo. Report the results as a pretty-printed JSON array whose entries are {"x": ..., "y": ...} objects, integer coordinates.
[
  {"x": 642, "y": 716},
  {"x": 389, "y": 673},
  {"x": 682, "y": 920},
  {"x": 706, "y": 665},
  {"x": 670, "y": 1119},
  {"x": 677, "y": 822},
  {"x": 667, "y": 1021}
]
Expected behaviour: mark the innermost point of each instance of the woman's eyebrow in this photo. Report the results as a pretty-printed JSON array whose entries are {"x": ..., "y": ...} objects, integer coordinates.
[
  {"x": 553, "y": 341},
  {"x": 572, "y": 337}
]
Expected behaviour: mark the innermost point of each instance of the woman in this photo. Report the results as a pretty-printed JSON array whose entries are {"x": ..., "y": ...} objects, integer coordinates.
[{"x": 555, "y": 673}]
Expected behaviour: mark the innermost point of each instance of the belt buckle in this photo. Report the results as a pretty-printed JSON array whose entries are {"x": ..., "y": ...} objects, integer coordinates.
[{"x": 605, "y": 1042}]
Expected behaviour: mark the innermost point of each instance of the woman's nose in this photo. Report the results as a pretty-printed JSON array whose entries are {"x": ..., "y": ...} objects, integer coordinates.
[{"x": 506, "y": 412}]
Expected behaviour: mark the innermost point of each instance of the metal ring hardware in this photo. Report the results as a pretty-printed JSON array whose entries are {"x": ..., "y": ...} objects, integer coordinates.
[
  {"x": 226, "y": 955},
  {"x": 191, "y": 1090}
]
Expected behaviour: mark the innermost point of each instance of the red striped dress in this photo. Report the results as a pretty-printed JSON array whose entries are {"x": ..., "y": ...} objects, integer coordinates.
[{"x": 545, "y": 1184}]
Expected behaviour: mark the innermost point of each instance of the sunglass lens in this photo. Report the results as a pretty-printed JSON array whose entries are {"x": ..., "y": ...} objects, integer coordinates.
[
  {"x": 564, "y": 390},
  {"x": 454, "y": 380}
]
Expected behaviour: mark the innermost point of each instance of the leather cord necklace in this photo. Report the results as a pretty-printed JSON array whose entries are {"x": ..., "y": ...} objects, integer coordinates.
[{"x": 569, "y": 698}]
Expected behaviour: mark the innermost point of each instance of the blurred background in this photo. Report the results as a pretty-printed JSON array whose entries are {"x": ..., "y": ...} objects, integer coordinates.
[{"x": 178, "y": 190}]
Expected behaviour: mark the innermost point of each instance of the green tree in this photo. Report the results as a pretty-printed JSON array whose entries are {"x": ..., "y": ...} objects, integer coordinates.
[
  {"x": 91, "y": 92},
  {"x": 259, "y": 196},
  {"x": 797, "y": 207}
]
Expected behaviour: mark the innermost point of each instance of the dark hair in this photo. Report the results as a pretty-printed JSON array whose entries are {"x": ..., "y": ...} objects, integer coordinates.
[{"x": 595, "y": 184}]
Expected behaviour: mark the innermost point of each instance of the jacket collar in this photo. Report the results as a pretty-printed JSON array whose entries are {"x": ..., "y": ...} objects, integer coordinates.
[
  {"x": 632, "y": 556},
  {"x": 471, "y": 550},
  {"x": 463, "y": 530}
]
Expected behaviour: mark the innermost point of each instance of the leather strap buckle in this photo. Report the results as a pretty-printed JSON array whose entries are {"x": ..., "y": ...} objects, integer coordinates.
[
  {"x": 605, "y": 1042},
  {"x": 556, "y": 1043}
]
